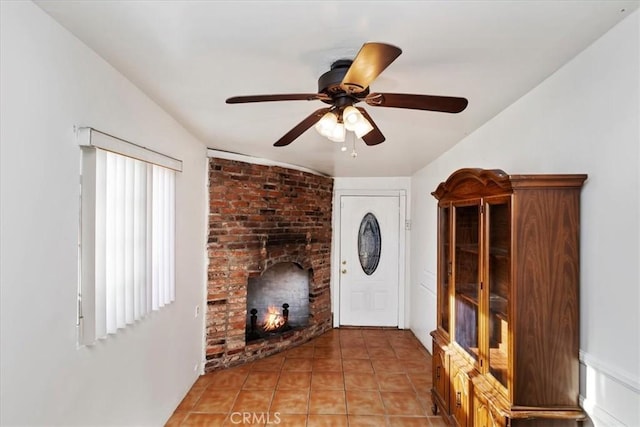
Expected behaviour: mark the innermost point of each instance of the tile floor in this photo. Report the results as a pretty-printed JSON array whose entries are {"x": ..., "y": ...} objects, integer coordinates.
[{"x": 346, "y": 377}]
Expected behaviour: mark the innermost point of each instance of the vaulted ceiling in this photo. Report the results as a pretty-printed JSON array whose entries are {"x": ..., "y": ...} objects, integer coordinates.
[{"x": 189, "y": 56}]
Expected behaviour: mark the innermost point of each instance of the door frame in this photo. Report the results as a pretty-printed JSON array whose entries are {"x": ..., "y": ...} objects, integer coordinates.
[{"x": 402, "y": 241}]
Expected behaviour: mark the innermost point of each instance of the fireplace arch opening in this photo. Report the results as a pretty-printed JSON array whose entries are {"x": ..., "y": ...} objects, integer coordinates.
[{"x": 277, "y": 301}]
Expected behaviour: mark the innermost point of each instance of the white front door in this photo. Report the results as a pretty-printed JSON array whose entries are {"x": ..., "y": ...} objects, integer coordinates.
[{"x": 369, "y": 262}]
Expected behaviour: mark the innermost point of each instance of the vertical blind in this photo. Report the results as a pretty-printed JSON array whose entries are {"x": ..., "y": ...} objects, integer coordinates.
[{"x": 127, "y": 241}]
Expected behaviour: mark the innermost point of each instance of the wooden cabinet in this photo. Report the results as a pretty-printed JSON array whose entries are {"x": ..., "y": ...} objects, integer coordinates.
[
  {"x": 508, "y": 278},
  {"x": 440, "y": 364}
]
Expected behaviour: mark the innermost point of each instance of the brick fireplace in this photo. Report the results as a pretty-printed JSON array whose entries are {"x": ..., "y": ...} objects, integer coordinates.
[{"x": 262, "y": 217}]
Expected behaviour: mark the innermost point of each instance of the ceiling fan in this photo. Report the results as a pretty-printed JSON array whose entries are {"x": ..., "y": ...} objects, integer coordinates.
[{"x": 346, "y": 84}]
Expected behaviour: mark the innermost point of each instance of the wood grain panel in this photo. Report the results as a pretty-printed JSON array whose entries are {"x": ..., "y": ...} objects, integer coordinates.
[{"x": 547, "y": 277}]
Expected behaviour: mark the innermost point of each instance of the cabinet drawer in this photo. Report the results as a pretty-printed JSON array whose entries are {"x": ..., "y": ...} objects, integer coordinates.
[
  {"x": 483, "y": 416},
  {"x": 459, "y": 396},
  {"x": 440, "y": 365}
]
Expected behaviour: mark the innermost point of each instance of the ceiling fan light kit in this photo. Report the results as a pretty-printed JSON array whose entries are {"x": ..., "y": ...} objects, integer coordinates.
[
  {"x": 355, "y": 121},
  {"x": 351, "y": 116},
  {"x": 338, "y": 133},
  {"x": 346, "y": 84},
  {"x": 326, "y": 124},
  {"x": 334, "y": 127},
  {"x": 362, "y": 127}
]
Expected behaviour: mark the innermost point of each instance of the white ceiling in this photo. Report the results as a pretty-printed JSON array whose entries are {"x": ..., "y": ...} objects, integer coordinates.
[{"x": 189, "y": 56}]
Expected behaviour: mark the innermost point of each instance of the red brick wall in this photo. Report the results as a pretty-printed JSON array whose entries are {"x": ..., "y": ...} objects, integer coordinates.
[{"x": 259, "y": 216}]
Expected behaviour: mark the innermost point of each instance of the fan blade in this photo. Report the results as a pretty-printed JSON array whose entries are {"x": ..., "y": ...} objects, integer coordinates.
[
  {"x": 445, "y": 104},
  {"x": 374, "y": 137},
  {"x": 301, "y": 127},
  {"x": 282, "y": 97},
  {"x": 371, "y": 60}
]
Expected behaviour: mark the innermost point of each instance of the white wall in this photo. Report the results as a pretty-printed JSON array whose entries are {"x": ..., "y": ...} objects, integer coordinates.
[
  {"x": 50, "y": 82},
  {"x": 583, "y": 119}
]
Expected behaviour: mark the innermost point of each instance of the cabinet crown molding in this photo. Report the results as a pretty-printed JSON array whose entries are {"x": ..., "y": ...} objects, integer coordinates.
[{"x": 476, "y": 182}]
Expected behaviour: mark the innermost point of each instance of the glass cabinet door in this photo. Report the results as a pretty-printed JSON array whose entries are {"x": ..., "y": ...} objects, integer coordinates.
[
  {"x": 498, "y": 248},
  {"x": 466, "y": 285},
  {"x": 444, "y": 269}
]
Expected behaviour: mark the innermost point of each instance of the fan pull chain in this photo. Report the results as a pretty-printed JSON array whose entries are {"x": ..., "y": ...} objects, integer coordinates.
[{"x": 354, "y": 154}]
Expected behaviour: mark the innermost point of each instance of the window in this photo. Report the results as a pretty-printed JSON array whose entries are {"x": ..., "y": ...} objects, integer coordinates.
[
  {"x": 127, "y": 234},
  {"x": 369, "y": 243}
]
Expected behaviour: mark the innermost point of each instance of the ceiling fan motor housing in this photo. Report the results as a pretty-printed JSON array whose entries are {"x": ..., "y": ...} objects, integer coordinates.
[{"x": 330, "y": 83}]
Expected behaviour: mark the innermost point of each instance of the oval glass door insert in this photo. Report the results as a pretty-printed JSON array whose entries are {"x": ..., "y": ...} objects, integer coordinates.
[{"x": 369, "y": 243}]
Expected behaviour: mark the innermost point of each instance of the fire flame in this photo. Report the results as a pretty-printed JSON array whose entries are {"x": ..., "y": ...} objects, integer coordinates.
[{"x": 273, "y": 320}]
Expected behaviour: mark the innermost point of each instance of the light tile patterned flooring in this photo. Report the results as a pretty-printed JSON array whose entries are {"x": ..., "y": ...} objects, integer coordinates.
[{"x": 346, "y": 377}]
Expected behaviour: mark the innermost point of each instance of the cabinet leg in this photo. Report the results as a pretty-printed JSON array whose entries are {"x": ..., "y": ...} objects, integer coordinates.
[{"x": 434, "y": 409}]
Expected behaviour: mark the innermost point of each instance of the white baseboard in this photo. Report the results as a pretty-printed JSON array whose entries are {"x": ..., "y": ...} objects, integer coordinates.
[
  {"x": 599, "y": 416},
  {"x": 614, "y": 373},
  {"x": 611, "y": 395}
]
